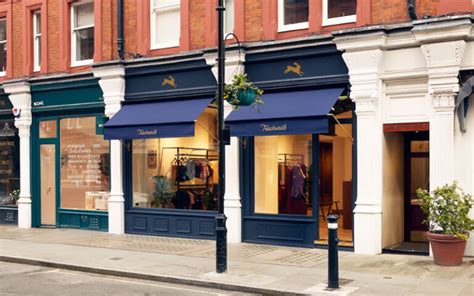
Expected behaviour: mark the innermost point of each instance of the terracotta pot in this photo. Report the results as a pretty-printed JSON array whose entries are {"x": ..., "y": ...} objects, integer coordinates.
[{"x": 448, "y": 250}]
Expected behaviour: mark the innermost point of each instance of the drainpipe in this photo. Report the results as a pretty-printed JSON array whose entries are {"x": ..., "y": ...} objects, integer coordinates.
[
  {"x": 411, "y": 5},
  {"x": 120, "y": 41}
]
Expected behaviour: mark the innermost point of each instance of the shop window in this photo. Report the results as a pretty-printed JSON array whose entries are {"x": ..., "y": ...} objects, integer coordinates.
[
  {"x": 283, "y": 174},
  {"x": 339, "y": 12},
  {"x": 177, "y": 173},
  {"x": 47, "y": 129},
  {"x": 3, "y": 46},
  {"x": 9, "y": 163},
  {"x": 36, "y": 41},
  {"x": 82, "y": 33},
  {"x": 165, "y": 23},
  {"x": 229, "y": 17},
  {"x": 292, "y": 15},
  {"x": 85, "y": 165}
]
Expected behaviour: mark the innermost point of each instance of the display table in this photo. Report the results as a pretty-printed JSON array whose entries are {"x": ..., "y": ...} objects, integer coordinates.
[{"x": 97, "y": 200}]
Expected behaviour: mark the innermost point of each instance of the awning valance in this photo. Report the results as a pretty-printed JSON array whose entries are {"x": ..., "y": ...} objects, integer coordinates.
[
  {"x": 298, "y": 112},
  {"x": 166, "y": 119}
]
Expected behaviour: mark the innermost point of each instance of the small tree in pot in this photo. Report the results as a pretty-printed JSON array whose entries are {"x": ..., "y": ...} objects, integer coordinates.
[{"x": 447, "y": 216}]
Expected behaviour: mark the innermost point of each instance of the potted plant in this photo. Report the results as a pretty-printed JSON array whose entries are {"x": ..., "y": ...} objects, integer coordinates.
[
  {"x": 447, "y": 216},
  {"x": 14, "y": 196},
  {"x": 242, "y": 92}
]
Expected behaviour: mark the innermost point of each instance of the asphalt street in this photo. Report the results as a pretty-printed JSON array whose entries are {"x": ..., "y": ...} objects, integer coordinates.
[{"x": 18, "y": 279}]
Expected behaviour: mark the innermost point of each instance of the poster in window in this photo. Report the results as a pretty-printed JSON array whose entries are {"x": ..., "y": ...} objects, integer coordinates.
[{"x": 152, "y": 161}]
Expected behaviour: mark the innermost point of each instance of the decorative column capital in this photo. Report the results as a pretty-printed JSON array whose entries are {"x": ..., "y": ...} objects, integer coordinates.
[
  {"x": 112, "y": 82},
  {"x": 443, "y": 100},
  {"x": 19, "y": 94}
]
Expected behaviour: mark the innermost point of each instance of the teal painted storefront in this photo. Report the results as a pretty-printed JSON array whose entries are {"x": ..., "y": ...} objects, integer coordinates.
[{"x": 53, "y": 101}]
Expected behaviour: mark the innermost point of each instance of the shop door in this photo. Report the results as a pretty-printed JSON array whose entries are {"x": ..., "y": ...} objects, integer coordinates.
[
  {"x": 416, "y": 176},
  {"x": 46, "y": 172}
]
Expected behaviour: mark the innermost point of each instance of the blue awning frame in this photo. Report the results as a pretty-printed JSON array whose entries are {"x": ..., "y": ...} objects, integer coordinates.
[
  {"x": 162, "y": 119},
  {"x": 298, "y": 112}
]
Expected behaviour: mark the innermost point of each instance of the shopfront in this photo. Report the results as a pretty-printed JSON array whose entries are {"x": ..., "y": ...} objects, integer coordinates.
[
  {"x": 9, "y": 163},
  {"x": 71, "y": 159},
  {"x": 297, "y": 163},
  {"x": 168, "y": 130}
]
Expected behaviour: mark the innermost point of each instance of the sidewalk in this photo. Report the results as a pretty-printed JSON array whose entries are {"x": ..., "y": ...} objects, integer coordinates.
[{"x": 251, "y": 268}]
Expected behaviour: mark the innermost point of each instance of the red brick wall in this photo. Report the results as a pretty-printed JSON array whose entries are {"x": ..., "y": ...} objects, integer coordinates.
[
  {"x": 17, "y": 50},
  {"x": 54, "y": 59},
  {"x": 253, "y": 20},
  {"x": 130, "y": 25},
  {"x": 197, "y": 34},
  {"x": 393, "y": 11}
]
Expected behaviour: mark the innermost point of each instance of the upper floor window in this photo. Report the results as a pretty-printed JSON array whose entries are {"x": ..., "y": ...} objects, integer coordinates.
[
  {"x": 292, "y": 15},
  {"x": 36, "y": 41},
  {"x": 82, "y": 33},
  {"x": 229, "y": 17},
  {"x": 3, "y": 46},
  {"x": 339, "y": 12},
  {"x": 165, "y": 23}
]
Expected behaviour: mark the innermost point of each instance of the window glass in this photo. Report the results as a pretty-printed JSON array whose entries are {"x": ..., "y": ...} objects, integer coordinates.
[
  {"x": 37, "y": 40},
  {"x": 3, "y": 44},
  {"x": 85, "y": 165},
  {"x": 83, "y": 32},
  {"x": 166, "y": 22},
  {"x": 283, "y": 174},
  {"x": 9, "y": 163},
  {"x": 340, "y": 8},
  {"x": 179, "y": 173},
  {"x": 47, "y": 129},
  {"x": 295, "y": 11},
  {"x": 229, "y": 17}
]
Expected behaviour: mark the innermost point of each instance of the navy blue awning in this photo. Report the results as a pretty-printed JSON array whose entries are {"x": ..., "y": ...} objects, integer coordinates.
[
  {"x": 299, "y": 112},
  {"x": 167, "y": 119}
]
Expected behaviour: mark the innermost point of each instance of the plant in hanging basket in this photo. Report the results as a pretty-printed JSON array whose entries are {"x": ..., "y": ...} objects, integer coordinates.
[
  {"x": 242, "y": 92},
  {"x": 447, "y": 217}
]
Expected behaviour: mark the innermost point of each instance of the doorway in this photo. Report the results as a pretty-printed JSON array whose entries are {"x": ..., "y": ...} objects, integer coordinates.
[{"x": 415, "y": 175}]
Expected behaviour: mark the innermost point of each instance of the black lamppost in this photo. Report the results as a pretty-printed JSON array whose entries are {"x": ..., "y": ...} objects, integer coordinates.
[{"x": 221, "y": 230}]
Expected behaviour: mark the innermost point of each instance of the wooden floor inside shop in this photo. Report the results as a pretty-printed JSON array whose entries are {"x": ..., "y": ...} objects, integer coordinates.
[{"x": 344, "y": 235}]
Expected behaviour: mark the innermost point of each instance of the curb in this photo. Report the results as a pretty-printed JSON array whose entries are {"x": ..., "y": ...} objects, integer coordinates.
[{"x": 150, "y": 277}]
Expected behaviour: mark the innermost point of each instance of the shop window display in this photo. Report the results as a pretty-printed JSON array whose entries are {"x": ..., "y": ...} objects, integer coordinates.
[
  {"x": 9, "y": 163},
  {"x": 283, "y": 174},
  {"x": 177, "y": 173},
  {"x": 85, "y": 165}
]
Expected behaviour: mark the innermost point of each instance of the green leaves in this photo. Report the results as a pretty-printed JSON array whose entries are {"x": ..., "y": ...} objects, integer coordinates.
[
  {"x": 240, "y": 83},
  {"x": 447, "y": 210}
]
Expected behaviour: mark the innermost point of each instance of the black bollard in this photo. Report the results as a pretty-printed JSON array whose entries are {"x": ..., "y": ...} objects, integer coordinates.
[{"x": 333, "y": 262}]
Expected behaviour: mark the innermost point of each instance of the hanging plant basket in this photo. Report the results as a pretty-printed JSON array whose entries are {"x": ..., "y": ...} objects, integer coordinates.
[{"x": 242, "y": 92}]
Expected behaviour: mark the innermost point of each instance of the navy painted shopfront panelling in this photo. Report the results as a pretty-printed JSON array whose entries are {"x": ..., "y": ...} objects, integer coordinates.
[
  {"x": 83, "y": 220},
  {"x": 171, "y": 222},
  {"x": 9, "y": 215},
  {"x": 173, "y": 80},
  {"x": 166, "y": 80}
]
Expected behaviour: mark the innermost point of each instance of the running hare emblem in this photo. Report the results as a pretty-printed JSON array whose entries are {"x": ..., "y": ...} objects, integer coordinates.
[
  {"x": 296, "y": 68},
  {"x": 170, "y": 81}
]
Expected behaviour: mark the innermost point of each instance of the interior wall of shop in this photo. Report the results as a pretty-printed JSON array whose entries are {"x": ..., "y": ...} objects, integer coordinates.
[{"x": 393, "y": 189}]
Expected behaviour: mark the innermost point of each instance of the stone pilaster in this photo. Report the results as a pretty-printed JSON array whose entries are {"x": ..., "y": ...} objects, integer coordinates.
[
  {"x": 112, "y": 83},
  {"x": 232, "y": 199},
  {"x": 19, "y": 95},
  {"x": 363, "y": 56}
]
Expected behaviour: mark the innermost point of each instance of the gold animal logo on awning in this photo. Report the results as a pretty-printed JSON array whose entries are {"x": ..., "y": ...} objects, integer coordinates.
[
  {"x": 296, "y": 68},
  {"x": 170, "y": 81}
]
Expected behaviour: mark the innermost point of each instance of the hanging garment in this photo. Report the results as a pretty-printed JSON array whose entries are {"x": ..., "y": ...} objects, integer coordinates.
[
  {"x": 181, "y": 200},
  {"x": 298, "y": 179},
  {"x": 190, "y": 165}
]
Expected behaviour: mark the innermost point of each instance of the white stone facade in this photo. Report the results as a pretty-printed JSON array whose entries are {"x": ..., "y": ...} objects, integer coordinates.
[{"x": 407, "y": 76}]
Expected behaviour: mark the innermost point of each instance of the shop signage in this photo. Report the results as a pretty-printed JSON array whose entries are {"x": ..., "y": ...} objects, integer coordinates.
[
  {"x": 99, "y": 124},
  {"x": 169, "y": 81},
  {"x": 9, "y": 159},
  {"x": 144, "y": 132},
  {"x": 273, "y": 128},
  {"x": 295, "y": 68}
]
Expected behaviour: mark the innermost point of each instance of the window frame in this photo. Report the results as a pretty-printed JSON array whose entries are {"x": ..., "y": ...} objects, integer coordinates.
[
  {"x": 336, "y": 20},
  {"x": 291, "y": 27},
  {"x": 225, "y": 31},
  {"x": 4, "y": 18},
  {"x": 74, "y": 61},
  {"x": 36, "y": 41},
  {"x": 153, "y": 30}
]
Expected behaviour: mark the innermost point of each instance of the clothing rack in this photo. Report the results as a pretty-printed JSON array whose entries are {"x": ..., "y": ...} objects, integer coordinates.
[{"x": 291, "y": 157}]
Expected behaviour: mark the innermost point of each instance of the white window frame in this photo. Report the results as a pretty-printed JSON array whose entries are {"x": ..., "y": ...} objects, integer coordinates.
[
  {"x": 233, "y": 25},
  {"x": 3, "y": 73},
  {"x": 281, "y": 20},
  {"x": 153, "y": 9},
  {"x": 36, "y": 41},
  {"x": 336, "y": 20},
  {"x": 74, "y": 62}
]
